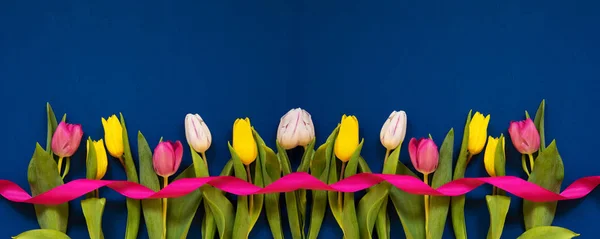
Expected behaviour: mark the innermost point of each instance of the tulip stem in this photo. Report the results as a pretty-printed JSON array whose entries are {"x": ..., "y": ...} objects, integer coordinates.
[
  {"x": 251, "y": 204},
  {"x": 426, "y": 199},
  {"x": 204, "y": 157},
  {"x": 524, "y": 164},
  {"x": 165, "y": 183},
  {"x": 531, "y": 162},
  {"x": 67, "y": 167},
  {"x": 387, "y": 154},
  {"x": 60, "y": 159},
  {"x": 341, "y": 177}
]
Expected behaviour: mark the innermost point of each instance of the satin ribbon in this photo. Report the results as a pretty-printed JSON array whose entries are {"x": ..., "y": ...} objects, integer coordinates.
[{"x": 295, "y": 181}]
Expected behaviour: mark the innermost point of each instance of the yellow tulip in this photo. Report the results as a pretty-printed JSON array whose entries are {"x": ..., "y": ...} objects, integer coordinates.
[
  {"x": 243, "y": 141},
  {"x": 347, "y": 139},
  {"x": 477, "y": 133},
  {"x": 113, "y": 134},
  {"x": 489, "y": 158},
  {"x": 101, "y": 159}
]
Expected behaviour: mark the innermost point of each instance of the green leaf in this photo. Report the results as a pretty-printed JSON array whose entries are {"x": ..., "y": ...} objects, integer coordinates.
[
  {"x": 409, "y": 208},
  {"x": 319, "y": 169},
  {"x": 548, "y": 232},
  {"x": 220, "y": 207},
  {"x": 201, "y": 170},
  {"x": 548, "y": 173},
  {"x": 349, "y": 219},
  {"x": 334, "y": 204},
  {"x": 458, "y": 203},
  {"x": 181, "y": 210},
  {"x": 90, "y": 161},
  {"x": 439, "y": 206},
  {"x": 500, "y": 161},
  {"x": 369, "y": 206},
  {"x": 133, "y": 206},
  {"x": 152, "y": 208},
  {"x": 363, "y": 166},
  {"x": 208, "y": 223},
  {"x": 271, "y": 172},
  {"x": 309, "y": 152},
  {"x": 42, "y": 175},
  {"x": 257, "y": 179},
  {"x": 498, "y": 206},
  {"x": 291, "y": 202},
  {"x": 52, "y": 124},
  {"x": 539, "y": 124},
  {"x": 241, "y": 226},
  {"x": 382, "y": 225},
  {"x": 93, "y": 208},
  {"x": 42, "y": 234}
]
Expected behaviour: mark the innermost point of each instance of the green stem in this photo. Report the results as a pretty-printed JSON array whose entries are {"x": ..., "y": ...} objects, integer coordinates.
[
  {"x": 531, "y": 162},
  {"x": 426, "y": 198},
  {"x": 341, "y": 177},
  {"x": 251, "y": 203},
  {"x": 387, "y": 154},
  {"x": 204, "y": 158},
  {"x": 60, "y": 159},
  {"x": 524, "y": 165},
  {"x": 67, "y": 167},
  {"x": 165, "y": 183}
]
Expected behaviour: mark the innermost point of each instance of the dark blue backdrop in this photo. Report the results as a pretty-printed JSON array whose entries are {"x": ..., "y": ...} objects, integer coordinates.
[{"x": 155, "y": 61}]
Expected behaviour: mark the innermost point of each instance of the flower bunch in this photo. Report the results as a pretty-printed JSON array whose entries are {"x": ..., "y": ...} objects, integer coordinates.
[{"x": 338, "y": 158}]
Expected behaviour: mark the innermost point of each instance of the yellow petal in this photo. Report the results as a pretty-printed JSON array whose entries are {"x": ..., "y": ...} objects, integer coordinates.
[
  {"x": 489, "y": 156},
  {"x": 243, "y": 141},
  {"x": 113, "y": 135},
  {"x": 347, "y": 139},
  {"x": 101, "y": 159},
  {"x": 477, "y": 133}
]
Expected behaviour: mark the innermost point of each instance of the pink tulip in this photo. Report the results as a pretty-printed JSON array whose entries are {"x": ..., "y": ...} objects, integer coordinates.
[
  {"x": 423, "y": 155},
  {"x": 167, "y": 158},
  {"x": 524, "y": 136},
  {"x": 66, "y": 139}
]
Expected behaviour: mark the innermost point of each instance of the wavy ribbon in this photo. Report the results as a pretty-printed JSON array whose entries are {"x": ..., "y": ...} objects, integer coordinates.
[{"x": 514, "y": 185}]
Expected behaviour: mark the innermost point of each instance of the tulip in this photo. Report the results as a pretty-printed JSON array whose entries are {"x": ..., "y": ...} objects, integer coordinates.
[
  {"x": 113, "y": 136},
  {"x": 489, "y": 158},
  {"x": 524, "y": 136},
  {"x": 197, "y": 134},
  {"x": 167, "y": 158},
  {"x": 393, "y": 130},
  {"x": 66, "y": 139},
  {"x": 101, "y": 159},
  {"x": 423, "y": 155},
  {"x": 295, "y": 129},
  {"x": 347, "y": 138},
  {"x": 243, "y": 141},
  {"x": 477, "y": 133},
  {"x": 526, "y": 139}
]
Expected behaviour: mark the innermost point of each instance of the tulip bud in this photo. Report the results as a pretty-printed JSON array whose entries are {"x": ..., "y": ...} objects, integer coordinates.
[
  {"x": 393, "y": 130},
  {"x": 113, "y": 136},
  {"x": 489, "y": 158},
  {"x": 524, "y": 136},
  {"x": 66, "y": 139},
  {"x": 167, "y": 158},
  {"x": 347, "y": 138},
  {"x": 295, "y": 129},
  {"x": 197, "y": 133},
  {"x": 477, "y": 133},
  {"x": 101, "y": 159},
  {"x": 423, "y": 155},
  {"x": 243, "y": 141}
]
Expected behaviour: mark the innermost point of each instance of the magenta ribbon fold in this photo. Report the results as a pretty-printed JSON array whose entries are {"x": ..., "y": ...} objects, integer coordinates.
[{"x": 514, "y": 185}]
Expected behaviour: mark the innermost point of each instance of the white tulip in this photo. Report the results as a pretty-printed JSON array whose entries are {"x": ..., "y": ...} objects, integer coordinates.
[
  {"x": 393, "y": 130},
  {"x": 197, "y": 133},
  {"x": 295, "y": 129}
]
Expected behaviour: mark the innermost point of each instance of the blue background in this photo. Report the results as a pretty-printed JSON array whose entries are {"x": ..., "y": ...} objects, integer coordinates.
[{"x": 155, "y": 61}]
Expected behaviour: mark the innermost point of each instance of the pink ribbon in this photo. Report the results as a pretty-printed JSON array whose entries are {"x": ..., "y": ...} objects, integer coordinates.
[{"x": 295, "y": 181}]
